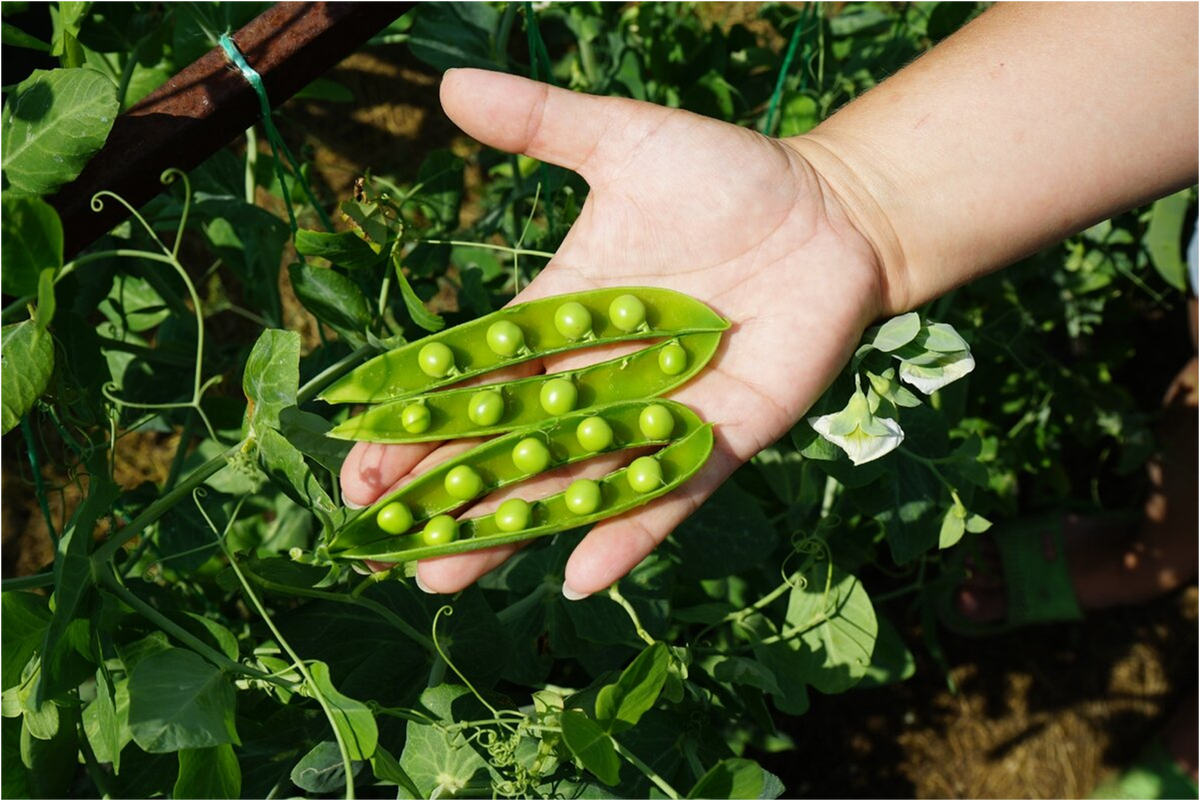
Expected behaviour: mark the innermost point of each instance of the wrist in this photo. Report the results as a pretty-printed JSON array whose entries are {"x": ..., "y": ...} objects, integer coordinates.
[{"x": 858, "y": 193}]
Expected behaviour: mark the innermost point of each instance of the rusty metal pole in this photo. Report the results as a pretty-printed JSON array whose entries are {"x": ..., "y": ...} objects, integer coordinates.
[{"x": 209, "y": 103}]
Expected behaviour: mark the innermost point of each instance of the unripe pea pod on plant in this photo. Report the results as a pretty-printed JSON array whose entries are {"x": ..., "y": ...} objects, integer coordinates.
[
  {"x": 510, "y": 405},
  {"x": 526, "y": 331},
  {"x": 520, "y": 455}
]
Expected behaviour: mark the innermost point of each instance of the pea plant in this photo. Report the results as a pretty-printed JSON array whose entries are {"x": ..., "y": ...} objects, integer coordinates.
[{"x": 208, "y": 629}]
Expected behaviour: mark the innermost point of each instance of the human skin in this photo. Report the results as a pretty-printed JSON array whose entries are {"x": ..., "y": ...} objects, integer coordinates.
[{"x": 1033, "y": 122}]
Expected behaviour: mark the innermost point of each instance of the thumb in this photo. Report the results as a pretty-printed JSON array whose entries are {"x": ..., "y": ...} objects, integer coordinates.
[{"x": 590, "y": 135}]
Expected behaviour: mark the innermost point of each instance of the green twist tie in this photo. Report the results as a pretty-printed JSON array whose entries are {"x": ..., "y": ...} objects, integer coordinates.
[{"x": 276, "y": 141}]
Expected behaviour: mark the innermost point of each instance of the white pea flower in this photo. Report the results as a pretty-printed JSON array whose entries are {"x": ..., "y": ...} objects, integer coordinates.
[
  {"x": 946, "y": 369},
  {"x": 863, "y": 436}
]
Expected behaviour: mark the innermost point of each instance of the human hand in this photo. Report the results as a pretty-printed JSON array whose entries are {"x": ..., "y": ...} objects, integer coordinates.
[{"x": 740, "y": 221}]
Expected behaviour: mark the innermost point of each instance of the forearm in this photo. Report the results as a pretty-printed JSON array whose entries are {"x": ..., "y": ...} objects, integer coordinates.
[{"x": 1030, "y": 124}]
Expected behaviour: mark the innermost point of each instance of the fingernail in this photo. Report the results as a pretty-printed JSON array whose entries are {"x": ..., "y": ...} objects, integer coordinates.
[
  {"x": 351, "y": 504},
  {"x": 423, "y": 587},
  {"x": 572, "y": 594}
]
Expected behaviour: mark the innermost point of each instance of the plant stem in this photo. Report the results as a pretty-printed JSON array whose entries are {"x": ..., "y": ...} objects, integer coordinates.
[
  {"x": 39, "y": 486},
  {"x": 616, "y": 595},
  {"x": 646, "y": 770},
  {"x": 160, "y": 507},
  {"x": 28, "y": 582}
]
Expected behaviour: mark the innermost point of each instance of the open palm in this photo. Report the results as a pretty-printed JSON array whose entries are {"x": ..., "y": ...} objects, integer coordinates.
[{"x": 735, "y": 219}]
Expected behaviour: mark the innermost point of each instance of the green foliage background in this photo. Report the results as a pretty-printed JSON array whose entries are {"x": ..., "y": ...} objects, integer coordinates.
[{"x": 198, "y": 644}]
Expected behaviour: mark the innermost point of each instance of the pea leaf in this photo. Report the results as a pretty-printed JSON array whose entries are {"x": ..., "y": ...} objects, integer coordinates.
[
  {"x": 730, "y": 778},
  {"x": 12, "y": 35},
  {"x": 839, "y": 630},
  {"x": 434, "y": 759},
  {"x": 891, "y": 661},
  {"x": 31, "y": 239},
  {"x": 106, "y": 720},
  {"x": 730, "y": 533},
  {"x": 416, "y": 309},
  {"x": 179, "y": 701},
  {"x": 321, "y": 770},
  {"x": 306, "y": 432},
  {"x": 26, "y": 363},
  {"x": 272, "y": 377},
  {"x": 740, "y": 670},
  {"x": 73, "y": 581},
  {"x": 52, "y": 124},
  {"x": 286, "y": 467},
  {"x": 455, "y": 35},
  {"x": 23, "y": 620},
  {"x": 895, "y": 333},
  {"x": 1164, "y": 238},
  {"x": 345, "y": 249},
  {"x": 441, "y": 179},
  {"x": 387, "y": 769},
  {"x": 333, "y": 299},
  {"x": 591, "y": 745},
  {"x": 208, "y": 773},
  {"x": 620, "y": 705},
  {"x": 354, "y": 720}
]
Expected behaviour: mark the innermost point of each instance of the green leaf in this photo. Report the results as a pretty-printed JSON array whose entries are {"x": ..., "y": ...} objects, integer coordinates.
[
  {"x": 73, "y": 581},
  {"x": 346, "y": 249},
  {"x": 51, "y": 126},
  {"x": 891, "y": 661},
  {"x": 371, "y": 223},
  {"x": 1164, "y": 238},
  {"x": 23, "y": 620},
  {"x": 441, "y": 181},
  {"x": 728, "y": 534},
  {"x": 435, "y": 759},
  {"x": 26, "y": 364},
  {"x": 416, "y": 309},
  {"x": 953, "y": 527},
  {"x": 178, "y": 701},
  {"x": 591, "y": 745},
  {"x": 895, "y": 333},
  {"x": 12, "y": 35},
  {"x": 387, "y": 769},
  {"x": 447, "y": 35},
  {"x": 321, "y": 770},
  {"x": 31, "y": 240},
  {"x": 106, "y": 720},
  {"x": 946, "y": 18},
  {"x": 620, "y": 705},
  {"x": 333, "y": 299},
  {"x": 223, "y": 637},
  {"x": 287, "y": 468},
  {"x": 799, "y": 114},
  {"x": 354, "y": 720},
  {"x": 272, "y": 377},
  {"x": 306, "y": 432},
  {"x": 208, "y": 773},
  {"x": 730, "y": 778},
  {"x": 46, "y": 302},
  {"x": 839, "y": 629},
  {"x": 740, "y": 670}
]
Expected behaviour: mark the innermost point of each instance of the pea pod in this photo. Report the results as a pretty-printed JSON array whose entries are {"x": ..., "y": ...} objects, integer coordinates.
[
  {"x": 525, "y": 331},
  {"x": 678, "y": 461},
  {"x": 497, "y": 463},
  {"x": 455, "y": 413}
]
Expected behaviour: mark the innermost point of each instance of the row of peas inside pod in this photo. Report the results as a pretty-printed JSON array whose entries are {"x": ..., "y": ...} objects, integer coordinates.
[{"x": 541, "y": 423}]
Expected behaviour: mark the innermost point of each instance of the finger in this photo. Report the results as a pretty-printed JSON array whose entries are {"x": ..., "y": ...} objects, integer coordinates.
[
  {"x": 587, "y": 134},
  {"x": 616, "y": 546}
]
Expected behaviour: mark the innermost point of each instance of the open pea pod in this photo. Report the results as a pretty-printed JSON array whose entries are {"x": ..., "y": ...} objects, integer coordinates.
[
  {"x": 616, "y": 493},
  {"x": 513, "y": 458},
  {"x": 470, "y": 412},
  {"x": 525, "y": 331}
]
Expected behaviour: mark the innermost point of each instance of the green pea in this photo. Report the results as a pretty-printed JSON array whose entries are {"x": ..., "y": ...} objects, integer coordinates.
[
  {"x": 531, "y": 456},
  {"x": 505, "y": 338},
  {"x": 645, "y": 474},
  {"x": 440, "y": 530},
  {"x": 656, "y": 422},
  {"x": 594, "y": 434},
  {"x": 573, "y": 320},
  {"x": 583, "y": 496},
  {"x": 627, "y": 312},
  {"x": 463, "y": 483},
  {"x": 559, "y": 396},
  {"x": 394, "y": 518},
  {"x": 672, "y": 359},
  {"x": 513, "y": 515},
  {"x": 486, "y": 408},
  {"x": 436, "y": 360},
  {"x": 415, "y": 418}
]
